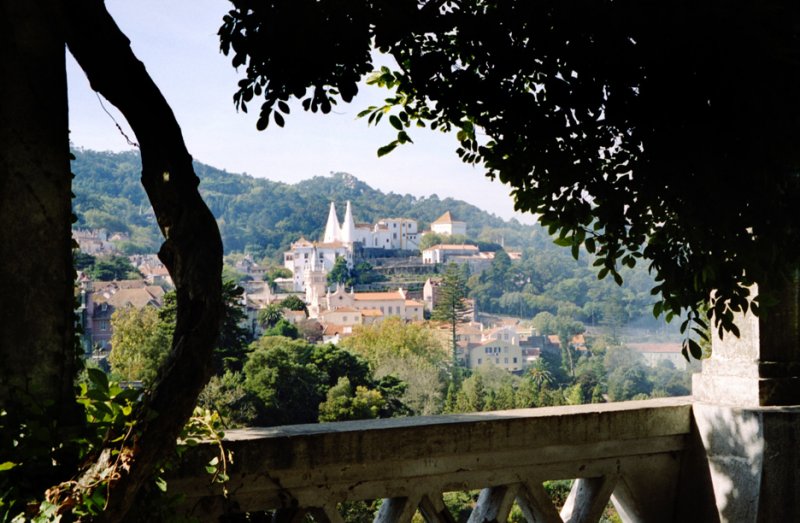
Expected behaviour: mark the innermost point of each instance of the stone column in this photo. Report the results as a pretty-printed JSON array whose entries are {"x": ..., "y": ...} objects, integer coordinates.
[{"x": 747, "y": 410}]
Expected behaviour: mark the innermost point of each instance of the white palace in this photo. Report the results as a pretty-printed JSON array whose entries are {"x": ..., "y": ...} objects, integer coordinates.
[{"x": 311, "y": 261}]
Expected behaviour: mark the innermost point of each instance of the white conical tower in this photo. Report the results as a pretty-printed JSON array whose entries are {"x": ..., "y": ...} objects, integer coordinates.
[
  {"x": 332, "y": 227},
  {"x": 348, "y": 230}
]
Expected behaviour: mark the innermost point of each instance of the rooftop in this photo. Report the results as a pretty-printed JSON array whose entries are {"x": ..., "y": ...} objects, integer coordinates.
[
  {"x": 453, "y": 247},
  {"x": 378, "y": 296},
  {"x": 445, "y": 218}
]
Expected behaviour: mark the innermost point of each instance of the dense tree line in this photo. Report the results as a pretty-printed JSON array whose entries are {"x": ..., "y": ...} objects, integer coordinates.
[{"x": 548, "y": 280}]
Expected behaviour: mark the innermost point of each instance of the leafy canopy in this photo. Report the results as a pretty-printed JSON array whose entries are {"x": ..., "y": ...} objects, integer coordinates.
[{"x": 636, "y": 129}]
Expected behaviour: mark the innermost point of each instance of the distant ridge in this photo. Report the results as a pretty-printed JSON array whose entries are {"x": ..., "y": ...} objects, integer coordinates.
[{"x": 260, "y": 215}]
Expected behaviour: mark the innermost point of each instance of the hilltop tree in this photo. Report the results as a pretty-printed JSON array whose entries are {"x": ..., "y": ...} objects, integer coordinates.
[
  {"x": 340, "y": 273},
  {"x": 394, "y": 338},
  {"x": 293, "y": 303},
  {"x": 297, "y": 382},
  {"x": 627, "y": 127},
  {"x": 409, "y": 351},
  {"x": 231, "y": 348},
  {"x": 113, "y": 268},
  {"x": 284, "y": 328},
  {"x": 270, "y": 315},
  {"x": 139, "y": 346}
]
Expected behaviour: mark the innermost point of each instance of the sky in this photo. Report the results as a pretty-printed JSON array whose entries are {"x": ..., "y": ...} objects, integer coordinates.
[{"x": 177, "y": 42}]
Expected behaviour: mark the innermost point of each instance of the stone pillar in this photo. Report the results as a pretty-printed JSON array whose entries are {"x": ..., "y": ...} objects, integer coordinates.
[{"x": 747, "y": 410}]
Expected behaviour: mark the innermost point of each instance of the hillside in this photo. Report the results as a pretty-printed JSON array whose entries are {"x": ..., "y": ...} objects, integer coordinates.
[
  {"x": 259, "y": 215},
  {"x": 264, "y": 217}
]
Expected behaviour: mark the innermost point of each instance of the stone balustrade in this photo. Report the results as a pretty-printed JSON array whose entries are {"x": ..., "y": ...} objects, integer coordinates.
[{"x": 644, "y": 456}]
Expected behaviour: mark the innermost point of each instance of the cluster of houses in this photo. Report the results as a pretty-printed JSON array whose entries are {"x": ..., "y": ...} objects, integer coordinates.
[
  {"x": 333, "y": 312},
  {"x": 99, "y": 300},
  {"x": 310, "y": 262},
  {"x": 98, "y": 242}
]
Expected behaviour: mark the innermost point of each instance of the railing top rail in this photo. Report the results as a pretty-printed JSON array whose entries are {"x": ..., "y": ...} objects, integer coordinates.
[{"x": 678, "y": 404}]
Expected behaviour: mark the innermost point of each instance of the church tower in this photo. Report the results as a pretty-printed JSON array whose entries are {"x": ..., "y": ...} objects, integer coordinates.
[{"x": 316, "y": 282}]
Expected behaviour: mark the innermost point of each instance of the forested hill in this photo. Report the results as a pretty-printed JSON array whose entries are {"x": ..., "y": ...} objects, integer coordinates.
[{"x": 261, "y": 215}]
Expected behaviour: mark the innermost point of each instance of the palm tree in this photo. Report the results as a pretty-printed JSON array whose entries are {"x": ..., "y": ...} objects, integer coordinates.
[
  {"x": 539, "y": 375},
  {"x": 270, "y": 315}
]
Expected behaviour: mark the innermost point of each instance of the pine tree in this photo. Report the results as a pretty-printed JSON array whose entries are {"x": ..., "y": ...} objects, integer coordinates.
[{"x": 450, "y": 306}]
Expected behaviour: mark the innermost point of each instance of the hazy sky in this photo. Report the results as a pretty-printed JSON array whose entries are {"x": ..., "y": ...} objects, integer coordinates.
[{"x": 176, "y": 40}]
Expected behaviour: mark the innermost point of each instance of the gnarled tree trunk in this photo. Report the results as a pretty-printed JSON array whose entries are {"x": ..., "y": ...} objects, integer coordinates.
[{"x": 192, "y": 251}]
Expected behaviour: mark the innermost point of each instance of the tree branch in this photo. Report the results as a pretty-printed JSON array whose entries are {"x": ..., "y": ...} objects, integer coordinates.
[{"x": 192, "y": 251}]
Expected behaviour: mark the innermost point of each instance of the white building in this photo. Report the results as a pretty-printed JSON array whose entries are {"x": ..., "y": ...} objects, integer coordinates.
[
  {"x": 368, "y": 304},
  {"x": 313, "y": 260},
  {"x": 389, "y": 233},
  {"x": 443, "y": 252},
  {"x": 499, "y": 347},
  {"x": 446, "y": 224},
  {"x": 305, "y": 257},
  {"x": 498, "y": 353}
]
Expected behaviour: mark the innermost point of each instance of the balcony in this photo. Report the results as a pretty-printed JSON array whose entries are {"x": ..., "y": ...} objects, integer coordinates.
[
  {"x": 643, "y": 456},
  {"x": 730, "y": 453}
]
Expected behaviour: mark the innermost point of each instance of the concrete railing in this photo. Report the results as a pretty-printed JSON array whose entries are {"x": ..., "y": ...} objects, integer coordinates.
[{"x": 644, "y": 456}]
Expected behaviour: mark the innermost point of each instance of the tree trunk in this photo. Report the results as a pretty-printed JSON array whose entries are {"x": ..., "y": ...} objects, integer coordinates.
[
  {"x": 192, "y": 251},
  {"x": 37, "y": 350}
]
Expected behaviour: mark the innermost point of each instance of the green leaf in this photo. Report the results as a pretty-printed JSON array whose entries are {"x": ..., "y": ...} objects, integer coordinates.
[
  {"x": 395, "y": 122},
  {"x": 7, "y": 466},
  {"x": 703, "y": 334},
  {"x": 386, "y": 149},
  {"x": 658, "y": 307},
  {"x": 695, "y": 349},
  {"x": 563, "y": 242},
  {"x": 98, "y": 378},
  {"x": 161, "y": 483}
]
